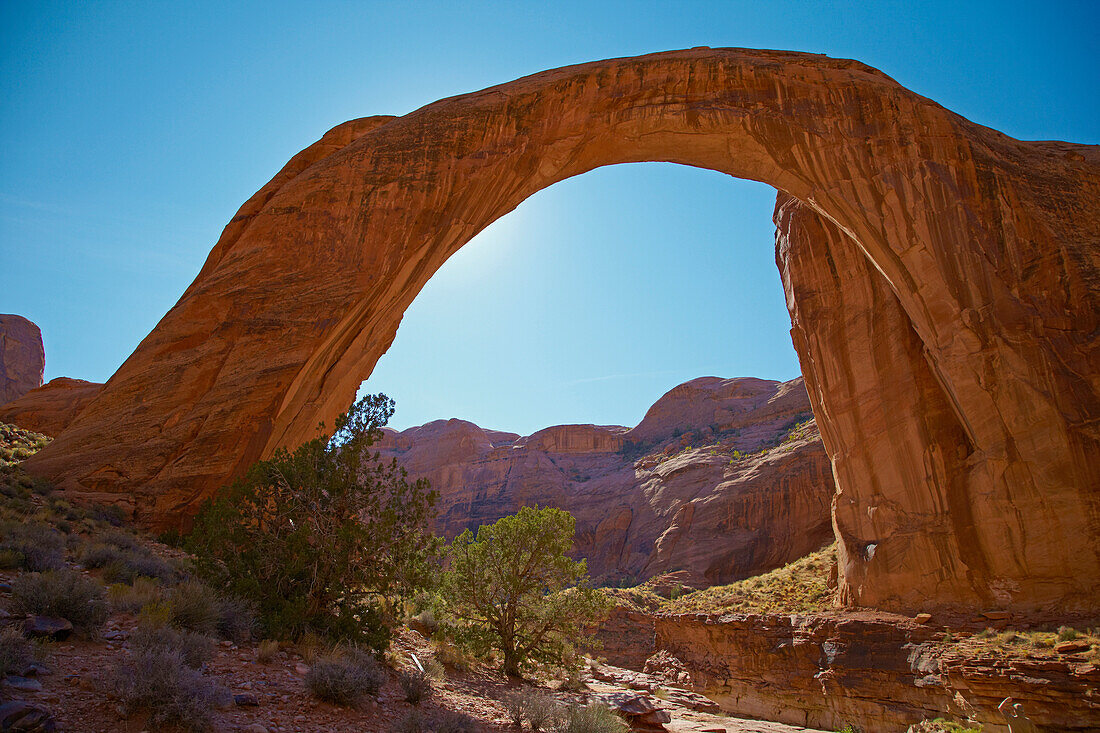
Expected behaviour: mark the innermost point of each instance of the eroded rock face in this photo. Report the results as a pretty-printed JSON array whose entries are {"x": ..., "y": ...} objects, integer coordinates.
[
  {"x": 22, "y": 358},
  {"x": 884, "y": 672},
  {"x": 50, "y": 408},
  {"x": 987, "y": 243},
  {"x": 667, "y": 495}
]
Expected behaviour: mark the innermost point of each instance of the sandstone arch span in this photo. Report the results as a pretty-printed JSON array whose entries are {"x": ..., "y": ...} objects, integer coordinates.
[{"x": 942, "y": 279}]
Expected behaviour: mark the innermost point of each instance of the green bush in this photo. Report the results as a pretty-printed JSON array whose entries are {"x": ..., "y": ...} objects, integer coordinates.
[
  {"x": 513, "y": 588},
  {"x": 326, "y": 538},
  {"x": 344, "y": 679},
  {"x": 65, "y": 593}
]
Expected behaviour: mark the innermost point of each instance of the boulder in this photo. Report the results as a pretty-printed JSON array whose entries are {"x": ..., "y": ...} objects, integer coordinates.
[
  {"x": 48, "y": 627},
  {"x": 26, "y": 717}
]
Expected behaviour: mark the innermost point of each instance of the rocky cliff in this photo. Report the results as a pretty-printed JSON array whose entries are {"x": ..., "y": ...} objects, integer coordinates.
[
  {"x": 50, "y": 408},
  {"x": 879, "y": 671},
  {"x": 22, "y": 357},
  {"x": 723, "y": 478}
]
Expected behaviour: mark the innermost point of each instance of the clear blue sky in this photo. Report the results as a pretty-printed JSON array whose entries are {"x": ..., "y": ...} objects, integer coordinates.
[{"x": 131, "y": 132}]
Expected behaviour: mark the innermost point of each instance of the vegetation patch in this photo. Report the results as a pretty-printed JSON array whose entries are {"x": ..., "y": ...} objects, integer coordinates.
[
  {"x": 345, "y": 677},
  {"x": 64, "y": 593}
]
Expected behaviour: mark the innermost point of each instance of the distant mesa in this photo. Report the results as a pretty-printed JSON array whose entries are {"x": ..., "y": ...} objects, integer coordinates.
[
  {"x": 722, "y": 479},
  {"x": 22, "y": 358}
]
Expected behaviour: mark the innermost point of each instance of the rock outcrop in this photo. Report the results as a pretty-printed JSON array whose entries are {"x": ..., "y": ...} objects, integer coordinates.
[
  {"x": 50, "y": 408},
  {"x": 22, "y": 357},
  {"x": 700, "y": 485},
  {"x": 879, "y": 671},
  {"x": 988, "y": 244}
]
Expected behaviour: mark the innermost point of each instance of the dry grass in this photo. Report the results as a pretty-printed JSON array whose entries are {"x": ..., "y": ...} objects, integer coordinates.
[
  {"x": 798, "y": 587},
  {"x": 1020, "y": 643}
]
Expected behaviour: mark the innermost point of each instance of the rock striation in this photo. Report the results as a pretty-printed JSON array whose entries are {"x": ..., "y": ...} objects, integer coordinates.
[
  {"x": 882, "y": 671},
  {"x": 722, "y": 479},
  {"x": 987, "y": 244},
  {"x": 22, "y": 357},
  {"x": 50, "y": 408}
]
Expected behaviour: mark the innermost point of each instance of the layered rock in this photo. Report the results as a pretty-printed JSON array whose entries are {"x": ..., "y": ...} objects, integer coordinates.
[
  {"x": 987, "y": 243},
  {"x": 673, "y": 493},
  {"x": 50, "y": 408},
  {"x": 22, "y": 357},
  {"x": 881, "y": 672}
]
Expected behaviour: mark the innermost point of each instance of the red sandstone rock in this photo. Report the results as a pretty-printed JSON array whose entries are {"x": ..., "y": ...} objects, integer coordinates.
[
  {"x": 22, "y": 358},
  {"x": 50, "y": 408},
  {"x": 945, "y": 312},
  {"x": 712, "y": 518}
]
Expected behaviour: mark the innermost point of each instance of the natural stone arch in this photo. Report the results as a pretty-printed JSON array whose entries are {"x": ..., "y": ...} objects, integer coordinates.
[{"x": 983, "y": 248}]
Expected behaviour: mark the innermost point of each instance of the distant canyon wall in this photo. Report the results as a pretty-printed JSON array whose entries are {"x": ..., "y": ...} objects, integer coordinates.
[{"x": 704, "y": 484}]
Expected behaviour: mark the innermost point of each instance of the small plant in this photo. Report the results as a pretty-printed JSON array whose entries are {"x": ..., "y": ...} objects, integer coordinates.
[
  {"x": 1067, "y": 633},
  {"x": 160, "y": 681},
  {"x": 453, "y": 655},
  {"x": 416, "y": 685},
  {"x": 591, "y": 718},
  {"x": 131, "y": 599},
  {"x": 310, "y": 646},
  {"x": 194, "y": 649},
  {"x": 32, "y": 546},
  {"x": 16, "y": 652},
  {"x": 194, "y": 606},
  {"x": 266, "y": 651},
  {"x": 849, "y": 728},
  {"x": 65, "y": 593},
  {"x": 236, "y": 619},
  {"x": 435, "y": 669},
  {"x": 346, "y": 678},
  {"x": 534, "y": 706}
]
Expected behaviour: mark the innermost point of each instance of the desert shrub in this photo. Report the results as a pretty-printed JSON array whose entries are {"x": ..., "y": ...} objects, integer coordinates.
[
  {"x": 416, "y": 685},
  {"x": 326, "y": 538},
  {"x": 66, "y": 593},
  {"x": 32, "y": 546},
  {"x": 514, "y": 588},
  {"x": 426, "y": 620},
  {"x": 194, "y": 649},
  {"x": 159, "y": 681},
  {"x": 236, "y": 619},
  {"x": 16, "y": 652},
  {"x": 346, "y": 677},
  {"x": 1067, "y": 633},
  {"x": 124, "y": 598},
  {"x": 123, "y": 564},
  {"x": 194, "y": 606},
  {"x": 453, "y": 655},
  {"x": 266, "y": 651},
  {"x": 535, "y": 707},
  {"x": 592, "y": 718},
  {"x": 310, "y": 646}
]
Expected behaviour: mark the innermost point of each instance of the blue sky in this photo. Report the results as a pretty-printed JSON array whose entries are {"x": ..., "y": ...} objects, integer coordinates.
[{"x": 131, "y": 132}]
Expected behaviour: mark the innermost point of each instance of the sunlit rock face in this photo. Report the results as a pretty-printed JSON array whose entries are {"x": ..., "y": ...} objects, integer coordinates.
[
  {"x": 22, "y": 358},
  {"x": 50, "y": 408},
  {"x": 711, "y": 482},
  {"x": 988, "y": 244}
]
